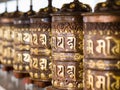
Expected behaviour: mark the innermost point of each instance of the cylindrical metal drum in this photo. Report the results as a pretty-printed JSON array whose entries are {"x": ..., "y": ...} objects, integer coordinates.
[
  {"x": 102, "y": 47},
  {"x": 3, "y": 16},
  {"x": 1, "y": 39},
  {"x": 8, "y": 37},
  {"x": 7, "y": 58},
  {"x": 67, "y": 46},
  {"x": 40, "y": 65},
  {"x": 22, "y": 44},
  {"x": 6, "y": 40}
]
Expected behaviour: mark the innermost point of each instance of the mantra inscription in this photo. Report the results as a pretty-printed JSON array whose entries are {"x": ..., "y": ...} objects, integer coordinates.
[
  {"x": 67, "y": 38},
  {"x": 64, "y": 43},
  {"x": 22, "y": 36},
  {"x": 106, "y": 80},
  {"x": 40, "y": 63},
  {"x": 67, "y": 74},
  {"x": 67, "y": 56},
  {"x": 102, "y": 42},
  {"x": 108, "y": 46},
  {"x": 22, "y": 50},
  {"x": 1, "y": 43},
  {"x": 22, "y": 57},
  {"x": 7, "y": 45},
  {"x": 8, "y": 52},
  {"x": 41, "y": 39},
  {"x": 21, "y": 61},
  {"x": 68, "y": 71},
  {"x": 102, "y": 55},
  {"x": 40, "y": 68}
]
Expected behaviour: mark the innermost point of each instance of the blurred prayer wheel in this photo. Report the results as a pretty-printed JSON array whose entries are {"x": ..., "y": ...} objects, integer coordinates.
[
  {"x": 22, "y": 44},
  {"x": 40, "y": 65},
  {"x": 102, "y": 47},
  {"x": 1, "y": 35},
  {"x": 67, "y": 46},
  {"x": 6, "y": 46}
]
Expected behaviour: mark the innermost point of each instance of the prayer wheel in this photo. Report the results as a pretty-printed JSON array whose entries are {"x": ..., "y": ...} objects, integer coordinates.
[
  {"x": 22, "y": 44},
  {"x": 102, "y": 47},
  {"x": 40, "y": 64},
  {"x": 67, "y": 46},
  {"x": 1, "y": 36},
  {"x": 6, "y": 50}
]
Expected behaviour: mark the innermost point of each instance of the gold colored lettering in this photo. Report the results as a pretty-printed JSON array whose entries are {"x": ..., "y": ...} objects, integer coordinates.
[
  {"x": 108, "y": 45},
  {"x": 90, "y": 81},
  {"x": 60, "y": 42},
  {"x": 54, "y": 70},
  {"x": 12, "y": 52},
  {"x": 19, "y": 37},
  {"x": 71, "y": 41},
  {"x": 8, "y": 34},
  {"x": 116, "y": 49},
  {"x": 101, "y": 47},
  {"x": 8, "y": 52},
  {"x": 60, "y": 71},
  {"x": 5, "y": 34},
  {"x": 26, "y": 37},
  {"x": 35, "y": 63},
  {"x": 100, "y": 83},
  {"x": 90, "y": 47},
  {"x": 1, "y": 48},
  {"x": 108, "y": 81},
  {"x": 54, "y": 42},
  {"x": 43, "y": 39},
  {"x": 35, "y": 39},
  {"x": 5, "y": 52},
  {"x": 19, "y": 58},
  {"x": 115, "y": 85},
  {"x": 1, "y": 33},
  {"x": 12, "y": 34},
  {"x": 43, "y": 64},
  {"x": 26, "y": 57},
  {"x": 71, "y": 71}
]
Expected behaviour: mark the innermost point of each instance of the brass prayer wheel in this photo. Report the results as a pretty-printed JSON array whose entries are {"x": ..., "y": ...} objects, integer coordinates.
[
  {"x": 40, "y": 64},
  {"x": 6, "y": 40},
  {"x": 2, "y": 27},
  {"x": 22, "y": 44},
  {"x": 1, "y": 36},
  {"x": 101, "y": 47},
  {"x": 7, "y": 57},
  {"x": 102, "y": 80},
  {"x": 67, "y": 46}
]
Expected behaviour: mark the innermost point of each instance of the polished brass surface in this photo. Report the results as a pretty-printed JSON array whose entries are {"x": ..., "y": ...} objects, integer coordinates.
[
  {"x": 67, "y": 46},
  {"x": 22, "y": 44},
  {"x": 6, "y": 39},
  {"x": 101, "y": 50},
  {"x": 101, "y": 47},
  {"x": 40, "y": 64}
]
